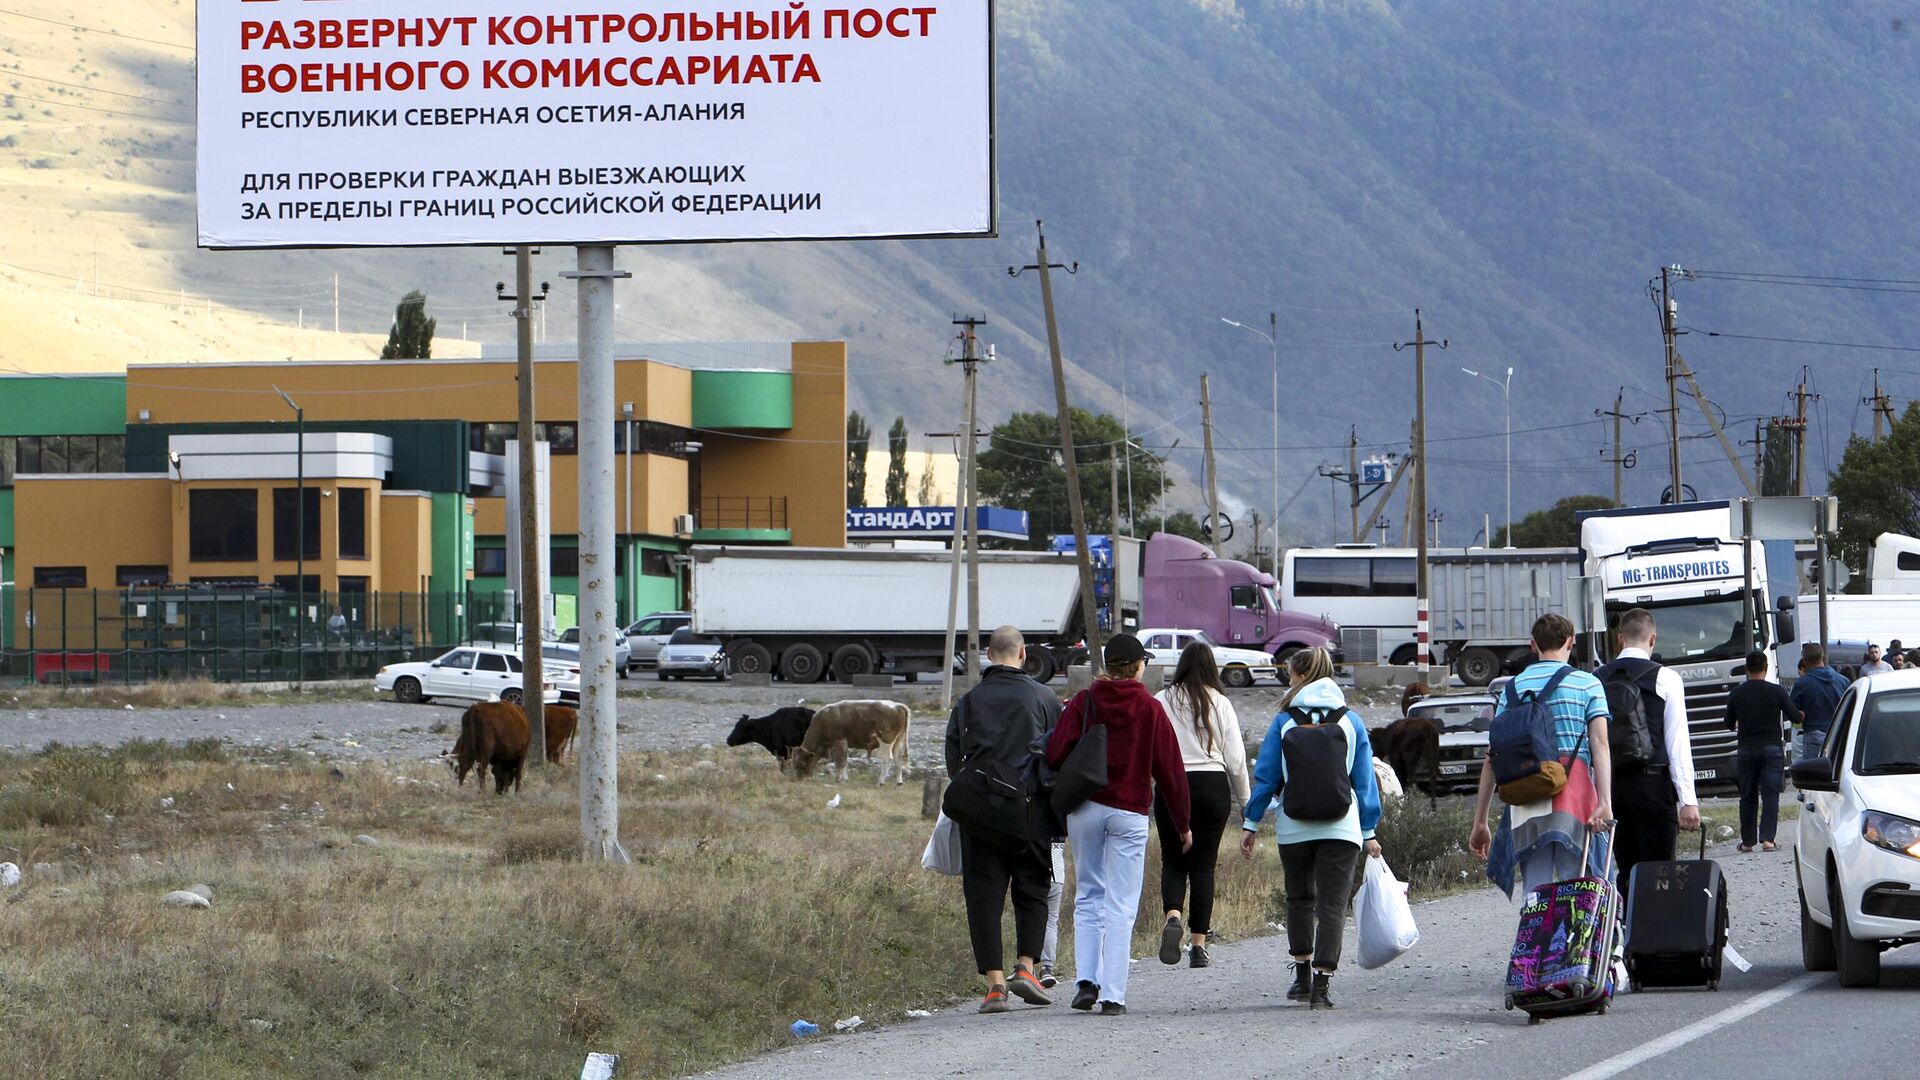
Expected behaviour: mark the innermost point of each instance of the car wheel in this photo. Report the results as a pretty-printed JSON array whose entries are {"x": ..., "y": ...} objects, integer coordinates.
[
  {"x": 751, "y": 659},
  {"x": 1857, "y": 961},
  {"x": 802, "y": 663},
  {"x": 511, "y": 697},
  {"x": 1478, "y": 667},
  {"x": 407, "y": 691},
  {"x": 852, "y": 660},
  {"x": 623, "y": 672},
  {"x": 662, "y": 676},
  {"x": 1237, "y": 677},
  {"x": 1404, "y": 656}
]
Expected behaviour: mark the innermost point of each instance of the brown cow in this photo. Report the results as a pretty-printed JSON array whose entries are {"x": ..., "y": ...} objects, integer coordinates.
[
  {"x": 493, "y": 734},
  {"x": 561, "y": 722},
  {"x": 858, "y": 725}
]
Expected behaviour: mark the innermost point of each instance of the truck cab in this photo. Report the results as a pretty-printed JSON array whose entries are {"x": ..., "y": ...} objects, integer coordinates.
[
  {"x": 1184, "y": 585},
  {"x": 1680, "y": 563}
]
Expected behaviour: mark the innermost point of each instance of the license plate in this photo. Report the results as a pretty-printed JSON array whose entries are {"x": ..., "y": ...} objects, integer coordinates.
[
  {"x": 1706, "y": 774},
  {"x": 1453, "y": 770}
]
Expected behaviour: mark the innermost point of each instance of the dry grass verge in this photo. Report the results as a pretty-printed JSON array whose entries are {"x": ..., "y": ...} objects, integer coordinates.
[
  {"x": 179, "y": 694},
  {"x": 470, "y": 940}
]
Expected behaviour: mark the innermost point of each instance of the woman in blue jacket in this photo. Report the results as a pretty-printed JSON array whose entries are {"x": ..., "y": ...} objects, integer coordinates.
[{"x": 1321, "y": 854}]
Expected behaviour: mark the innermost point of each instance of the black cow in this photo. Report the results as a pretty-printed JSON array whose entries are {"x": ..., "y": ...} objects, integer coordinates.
[{"x": 780, "y": 731}]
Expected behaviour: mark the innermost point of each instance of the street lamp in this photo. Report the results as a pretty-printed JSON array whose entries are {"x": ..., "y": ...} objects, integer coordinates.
[
  {"x": 1506, "y": 396},
  {"x": 299, "y": 534},
  {"x": 1273, "y": 343}
]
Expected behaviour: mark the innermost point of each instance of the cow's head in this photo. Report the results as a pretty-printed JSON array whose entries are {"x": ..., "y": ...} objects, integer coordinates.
[
  {"x": 743, "y": 731},
  {"x": 803, "y": 762}
]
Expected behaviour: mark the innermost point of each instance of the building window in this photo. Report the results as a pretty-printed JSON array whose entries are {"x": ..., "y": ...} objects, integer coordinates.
[
  {"x": 491, "y": 438},
  {"x": 286, "y": 521},
  {"x": 565, "y": 561},
  {"x": 288, "y": 583},
  {"x": 354, "y": 585},
  {"x": 561, "y": 438},
  {"x": 140, "y": 577},
  {"x": 59, "y": 577},
  {"x": 353, "y": 523},
  {"x": 60, "y": 455},
  {"x": 226, "y": 582},
  {"x": 490, "y": 562},
  {"x": 657, "y": 563},
  {"x": 223, "y": 525}
]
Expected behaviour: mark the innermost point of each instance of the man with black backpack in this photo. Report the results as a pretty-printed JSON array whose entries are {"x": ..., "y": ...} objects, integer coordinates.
[
  {"x": 1651, "y": 746},
  {"x": 997, "y": 724}
]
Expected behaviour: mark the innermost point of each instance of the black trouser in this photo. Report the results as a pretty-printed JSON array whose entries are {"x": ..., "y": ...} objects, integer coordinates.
[
  {"x": 1762, "y": 775},
  {"x": 1212, "y": 801},
  {"x": 1647, "y": 815},
  {"x": 1319, "y": 887},
  {"x": 988, "y": 866}
]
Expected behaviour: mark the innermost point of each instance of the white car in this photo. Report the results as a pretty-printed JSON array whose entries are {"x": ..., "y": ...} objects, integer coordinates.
[
  {"x": 1858, "y": 852},
  {"x": 622, "y": 651},
  {"x": 560, "y": 662},
  {"x": 688, "y": 655},
  {"x": 1464, "y": 721},
  {"x": 469, "y": 672},
  {"x": 1238, "y": 667}
]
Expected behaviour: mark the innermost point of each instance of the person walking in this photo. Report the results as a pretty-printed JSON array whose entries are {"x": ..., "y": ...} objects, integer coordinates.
[
  {"x": 1108, "y": 832},
  {"x": 1654, "y": 799},
  {"x": 1050, "y": 951},
  {"x": 1815, "y": 696},
  {"x": 1547, "y": 841},
  {"x": 1002, "y": 719},
  {"x": 1215, "y": 757},
  {"x": 1758, "y": 713},
  {"x": 1873, "y": 664},
  {"x": 1319, "y": 851}
]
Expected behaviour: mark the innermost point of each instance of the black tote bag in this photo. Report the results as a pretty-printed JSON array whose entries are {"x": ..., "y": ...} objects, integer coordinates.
[
  {"x": 1085, "y": 769},
  {"x": 989, "y": 796}
]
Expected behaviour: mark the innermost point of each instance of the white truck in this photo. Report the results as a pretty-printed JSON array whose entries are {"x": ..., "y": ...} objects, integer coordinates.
[
  {"x": 806, "y": 613},
  {"x": 1681, "y": 563},
  {"x": 1888, "y": 611}
]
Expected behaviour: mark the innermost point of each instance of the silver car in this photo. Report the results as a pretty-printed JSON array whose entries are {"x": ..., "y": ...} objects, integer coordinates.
[
  {"x": 622, "y": 649},
  {"x": 688, "y": 654},
  {"x": 647, "y": 636}
]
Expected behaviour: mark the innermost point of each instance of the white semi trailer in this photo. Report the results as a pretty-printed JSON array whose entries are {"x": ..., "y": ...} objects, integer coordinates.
[{"x": 805, "y": 614}]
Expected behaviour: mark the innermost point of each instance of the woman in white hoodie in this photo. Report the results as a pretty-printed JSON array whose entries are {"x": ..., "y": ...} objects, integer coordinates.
[{"x": 1215, "y": 756}]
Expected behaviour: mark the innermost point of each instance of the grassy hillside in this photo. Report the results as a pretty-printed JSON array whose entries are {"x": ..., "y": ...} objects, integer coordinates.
[{"x": 1517, "y": 171}]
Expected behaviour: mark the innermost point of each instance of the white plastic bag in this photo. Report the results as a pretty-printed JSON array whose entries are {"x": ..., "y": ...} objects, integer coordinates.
[
  {"x": 943, "y": 848},
  {"x": 1384, "y": 917}
]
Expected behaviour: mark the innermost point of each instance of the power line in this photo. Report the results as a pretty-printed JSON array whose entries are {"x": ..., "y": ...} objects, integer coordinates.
[
  {"x": 96, "y": 89},
  {"x": 95, "y": 108},
  {"x": 1808, "y": 341},
  {"x": 96, "y": 30}
]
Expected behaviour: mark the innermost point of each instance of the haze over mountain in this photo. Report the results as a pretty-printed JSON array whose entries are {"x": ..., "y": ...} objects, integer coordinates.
[{"x": 1517, "y": 170}]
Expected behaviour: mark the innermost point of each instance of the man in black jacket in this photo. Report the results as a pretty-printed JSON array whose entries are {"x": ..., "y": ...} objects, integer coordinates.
[{"x": 1000, "y": 719}]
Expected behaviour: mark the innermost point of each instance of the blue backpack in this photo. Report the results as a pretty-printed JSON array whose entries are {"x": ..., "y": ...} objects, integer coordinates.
[{"x": 1523, "y": 747}]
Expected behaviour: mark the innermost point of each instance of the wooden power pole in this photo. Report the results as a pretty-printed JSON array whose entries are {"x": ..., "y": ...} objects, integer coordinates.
[
  {"x": 1089, "y": 606},
  {"x": 1417, "y": 498},
  {"x": 532, "y": 615},
  {"x": 1213, "y": 474},
  {"x": 1882, "y": 408}
]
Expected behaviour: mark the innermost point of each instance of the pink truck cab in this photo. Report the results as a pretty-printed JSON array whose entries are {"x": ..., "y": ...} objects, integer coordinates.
[{"x": 1183, "y": 584}]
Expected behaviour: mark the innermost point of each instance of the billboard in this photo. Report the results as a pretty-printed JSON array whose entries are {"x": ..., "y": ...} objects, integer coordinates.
[{"x": 385, "y": 123}]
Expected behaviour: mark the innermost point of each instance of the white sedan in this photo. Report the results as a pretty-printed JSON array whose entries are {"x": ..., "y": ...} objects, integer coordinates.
[
  {"x": 1238, "y": 667},
  {"x": 470, "y": 672},
  {"x": 1858, "y": 853}
]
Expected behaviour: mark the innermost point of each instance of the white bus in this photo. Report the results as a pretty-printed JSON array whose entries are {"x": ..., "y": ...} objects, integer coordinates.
[{"x": 1367, "y": 591}]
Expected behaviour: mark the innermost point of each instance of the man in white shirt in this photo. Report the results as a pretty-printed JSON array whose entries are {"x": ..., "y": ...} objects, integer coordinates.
[
  {"x": 1652, "y": 800},
  {"x": 1874, "y": 665}
]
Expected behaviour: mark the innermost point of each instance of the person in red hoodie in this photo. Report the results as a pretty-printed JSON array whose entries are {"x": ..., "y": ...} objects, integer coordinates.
[{"x": 1109, "y": 831}]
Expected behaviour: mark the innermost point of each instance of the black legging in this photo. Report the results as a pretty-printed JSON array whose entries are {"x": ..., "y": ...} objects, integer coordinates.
[{"x": 1212, "y": 801}]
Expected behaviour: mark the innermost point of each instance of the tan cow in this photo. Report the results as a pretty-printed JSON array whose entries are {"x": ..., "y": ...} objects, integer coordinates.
[{"x": 873, "y": 726}]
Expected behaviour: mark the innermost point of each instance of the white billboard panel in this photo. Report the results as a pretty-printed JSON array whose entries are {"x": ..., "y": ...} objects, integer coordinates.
[{"x": 382, "y": 123}]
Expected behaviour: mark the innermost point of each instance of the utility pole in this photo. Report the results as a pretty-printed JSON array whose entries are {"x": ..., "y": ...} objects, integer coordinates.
[
  {"x": 1213, "y": 474},
  {"x": 1713, "y": 422},
  {"x": 599, "y": 739},
  {"x": 1113, "y": 492},
  {"x": 1089, "y": 607},
  {"x": 1668, "y": 331},
  {"x": 970, "y": 359},
  {"x": 1353, "y": 488},
  {"x": 533, "y": 608},
  {"x": 1800, "y": 399},
  {"x": 1882, "y": 408},
  {"x": 1620, "y": 459},
  {"x": 1418, "y": 498},
  {"x": 953, "y": 576}
]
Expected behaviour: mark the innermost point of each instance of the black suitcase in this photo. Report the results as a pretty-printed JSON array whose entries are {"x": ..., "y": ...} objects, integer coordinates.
[{"x": 1676, "y": 922}]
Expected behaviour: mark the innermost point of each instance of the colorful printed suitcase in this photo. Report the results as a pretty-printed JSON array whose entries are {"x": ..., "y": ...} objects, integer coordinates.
[{"x": 1562, "y": 963}]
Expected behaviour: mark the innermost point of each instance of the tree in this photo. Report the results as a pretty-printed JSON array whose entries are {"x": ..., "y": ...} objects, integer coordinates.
[
  {"x": 411, "y": 337},
  {"x": 858, "y": 436},
  {"x": 1554, "y": 526},
  {"x": 1878, "y": 485},
  {"x": 897, "y": 462},
  {"x": 1185, "y": 524},
  {"x": 929, "y": 488},
  {"x": 1022, "y": 468}
]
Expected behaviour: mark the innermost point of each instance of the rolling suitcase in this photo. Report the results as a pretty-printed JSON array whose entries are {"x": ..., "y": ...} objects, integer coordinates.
[
  {"x": 1562, "y": 963},
  {"x": 1676, "y": 922}
]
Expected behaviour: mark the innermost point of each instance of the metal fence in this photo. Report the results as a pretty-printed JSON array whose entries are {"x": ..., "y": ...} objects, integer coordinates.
[{"x": 228, "y": 634}]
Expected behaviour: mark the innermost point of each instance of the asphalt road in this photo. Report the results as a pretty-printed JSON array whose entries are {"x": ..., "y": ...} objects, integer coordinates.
[{"x": 1438, "y": 1011}]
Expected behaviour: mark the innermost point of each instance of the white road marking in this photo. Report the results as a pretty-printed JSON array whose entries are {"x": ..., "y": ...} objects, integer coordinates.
[{"x": 1699, "y": 1029}]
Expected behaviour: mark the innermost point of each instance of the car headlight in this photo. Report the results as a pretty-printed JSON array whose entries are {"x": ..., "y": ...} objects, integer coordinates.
[{"x": 1896, "y": 834}]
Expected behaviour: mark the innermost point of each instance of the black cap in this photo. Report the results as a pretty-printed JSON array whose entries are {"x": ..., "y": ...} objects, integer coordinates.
[{"x": 1123, "y": 649}]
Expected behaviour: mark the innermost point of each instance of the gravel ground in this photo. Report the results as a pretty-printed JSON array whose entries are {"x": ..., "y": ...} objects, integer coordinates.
[{"x": 653, "y": 716}]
